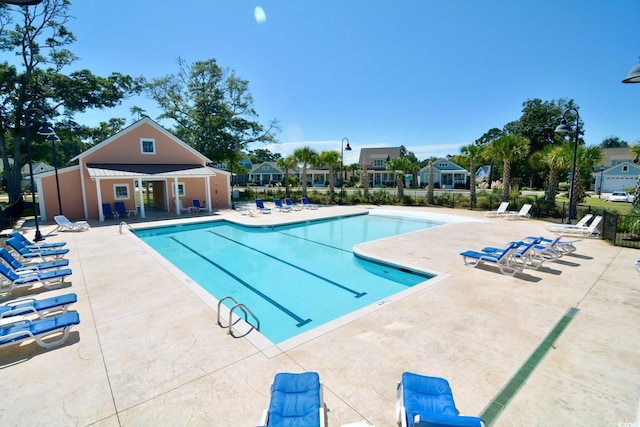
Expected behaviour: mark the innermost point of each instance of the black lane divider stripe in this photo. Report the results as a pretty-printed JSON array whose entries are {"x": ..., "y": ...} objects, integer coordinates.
[
  {"x": 300, "y": 320},
  {"x": 336, "y": 284}
]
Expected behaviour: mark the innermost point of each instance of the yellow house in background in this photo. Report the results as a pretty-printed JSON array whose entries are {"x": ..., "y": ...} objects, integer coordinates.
[{"x": 144, "y": 166}]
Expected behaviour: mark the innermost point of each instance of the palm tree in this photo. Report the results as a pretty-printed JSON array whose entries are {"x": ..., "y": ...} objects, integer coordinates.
[
  {"x": 553, "y": 157},
  {"x": 305, "y": 156},
  {"x": 508, "y": 149},
  {"x": 333, "y": 161},
  {"x": 287, "y": 163},
  {"x": 635, "y": 152},
  {"x": 474, "y": 155},
  {"x": 430, "y": 199},
  {"x": 399, "y": 166}
]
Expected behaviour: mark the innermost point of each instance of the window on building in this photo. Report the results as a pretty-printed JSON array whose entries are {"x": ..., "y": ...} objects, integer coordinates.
[
  {"x": 378, "y": 162},
  {"x": 625, "y": 168},
  {"x": 147, "y": 146},
  {"x": 181, "y": 190},
  {"x": 121, "y": 191}
]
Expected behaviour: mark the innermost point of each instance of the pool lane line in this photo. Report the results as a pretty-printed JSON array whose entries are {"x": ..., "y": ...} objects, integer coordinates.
[
  {"x": 304, "y": 270},
  {"x": 502, "y": 399},
  {"x": 300, "y": 320}
]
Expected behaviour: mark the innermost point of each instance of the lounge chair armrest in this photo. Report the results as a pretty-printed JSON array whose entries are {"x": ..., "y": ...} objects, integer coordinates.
[
  {"x": 12, "y": 321},
  {"x": 26, "y": 269},
  {"x": 26, "y": 272}
]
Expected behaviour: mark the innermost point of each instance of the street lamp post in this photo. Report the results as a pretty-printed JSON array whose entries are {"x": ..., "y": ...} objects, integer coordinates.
[
  {"x": 45, "y": 129},
  {"x": 601, "y": 172},
  {"x": 53, "y": 138},
  {"x": 232, "y": 149},
  {"x": 564, "y": 128},
  {"x": 343, "y": 173}
]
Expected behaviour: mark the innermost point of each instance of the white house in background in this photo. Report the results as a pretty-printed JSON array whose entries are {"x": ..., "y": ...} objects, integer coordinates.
[
  {"x": 446, "y": 175},
  {"x": 615, "y": 178},
  {"x": 38, "y": 168}
]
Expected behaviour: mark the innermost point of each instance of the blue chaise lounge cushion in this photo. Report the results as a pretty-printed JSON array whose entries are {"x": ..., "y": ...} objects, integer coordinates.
[{"x": 295, "y": 400}]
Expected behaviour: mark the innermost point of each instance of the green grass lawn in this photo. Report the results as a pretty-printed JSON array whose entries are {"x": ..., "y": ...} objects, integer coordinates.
[{"x": 618, "y": 207}]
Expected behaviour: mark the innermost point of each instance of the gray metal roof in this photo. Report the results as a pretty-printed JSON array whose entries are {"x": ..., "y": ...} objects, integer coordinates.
[{"x": 123, "y": 170}]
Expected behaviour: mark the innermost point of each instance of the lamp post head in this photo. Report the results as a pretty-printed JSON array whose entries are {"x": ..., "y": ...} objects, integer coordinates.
[
  {"x": 633, "y": 76},
  {"x": 348, "y": 147},
  {"x": 46, "y": 129},
  {"x": 52, "y": 138},
  {"x": 22, "y": 2},
  {"x": 563, "y": 127}
]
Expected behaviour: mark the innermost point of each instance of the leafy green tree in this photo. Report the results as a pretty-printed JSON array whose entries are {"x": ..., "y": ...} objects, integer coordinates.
[
  {"x": 305, "y": 156},
  {"x": 491, "y": 135},
  {"x": 474, "y": 154},
  {"x": 211, "y": 108},
  {"x": 260, "y": 155},
  {"x": 613, "y": 142},
  {"x": 286, "y": 164},
  {"x": 507, "y": 149},
  {"x": 37, "y": 86},
  {"x": 333, "y": 161}
]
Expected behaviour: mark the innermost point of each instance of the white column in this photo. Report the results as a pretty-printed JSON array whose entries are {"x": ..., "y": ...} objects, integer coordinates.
[
  {"x": 141, "y": 197},
  {"x": 207, "y": 186},
  {"x": 99, "y": 195},
  {"x": 176, "y": 199}
]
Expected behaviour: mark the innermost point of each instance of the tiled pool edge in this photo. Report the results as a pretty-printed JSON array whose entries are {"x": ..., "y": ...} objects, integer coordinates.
[{"x": 493, "y": 410}]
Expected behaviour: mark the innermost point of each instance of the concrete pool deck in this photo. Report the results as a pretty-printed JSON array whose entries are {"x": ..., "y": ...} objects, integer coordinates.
[{"x": 149, "y": 352}]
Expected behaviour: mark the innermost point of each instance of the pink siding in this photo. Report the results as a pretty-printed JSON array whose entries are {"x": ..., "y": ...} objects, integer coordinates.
[{"x": 70, "y": 195}]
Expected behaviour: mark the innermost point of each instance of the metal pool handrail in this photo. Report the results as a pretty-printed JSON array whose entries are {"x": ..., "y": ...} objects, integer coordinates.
[{"x": 244, "y": 310}]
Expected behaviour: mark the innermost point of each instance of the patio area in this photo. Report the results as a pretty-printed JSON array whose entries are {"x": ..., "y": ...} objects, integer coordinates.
[{"x": 148, "y": 350}]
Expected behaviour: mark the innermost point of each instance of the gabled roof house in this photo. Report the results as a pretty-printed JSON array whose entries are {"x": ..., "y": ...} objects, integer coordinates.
[
  {"x": 446, "y": 174},
  {"x": 615, "y": 178},
  {"x": 145, "y": 166}
]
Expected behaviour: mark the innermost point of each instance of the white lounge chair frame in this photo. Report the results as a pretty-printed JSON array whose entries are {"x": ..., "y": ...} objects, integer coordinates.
[
  {"x": 502, "y": 210},
  {"x": 590, "y": 231},
  {"x": 65, "y": 224},
  {"x": 523, "y": 213}
]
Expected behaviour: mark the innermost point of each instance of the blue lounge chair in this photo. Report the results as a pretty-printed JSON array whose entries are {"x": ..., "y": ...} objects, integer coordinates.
[
  {"x": 15, "y": 330},
  {"x": 51, "y": 279},
  {"x": 289, "y": 203},
  {"x": 280, "y": 206},
  {"x": 296, "y": 400},
  {"x": 32, "y": 245},
  {"x": 307, "y": 205},
  {"x": 428, "y": 401},
  {"x": 261, "y": 208},
  {"x": 17, "y": 265},
  {"x": 197, "y": 207},
  {"x": 562, "y": 246},
  {"x": 525, "y": 253},
  {"x": 31, "y": 254},
  {"x": 107, "y": 212},
  {"x": 121, "y": 210},
  {"x": 504, "y": 260},
  {"x": 637, "y": 265},
  {"x": 41, "y": 307}
]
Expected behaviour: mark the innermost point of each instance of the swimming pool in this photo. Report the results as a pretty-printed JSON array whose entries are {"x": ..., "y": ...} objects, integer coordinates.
[{"x": 293, "y": 277}]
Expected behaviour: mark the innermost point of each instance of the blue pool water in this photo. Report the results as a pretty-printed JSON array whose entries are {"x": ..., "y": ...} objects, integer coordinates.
[{"x": 294, "y": 277}]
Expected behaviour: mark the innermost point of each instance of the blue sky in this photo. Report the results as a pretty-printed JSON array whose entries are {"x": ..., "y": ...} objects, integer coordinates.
[{"x": 430, "y": 75}]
